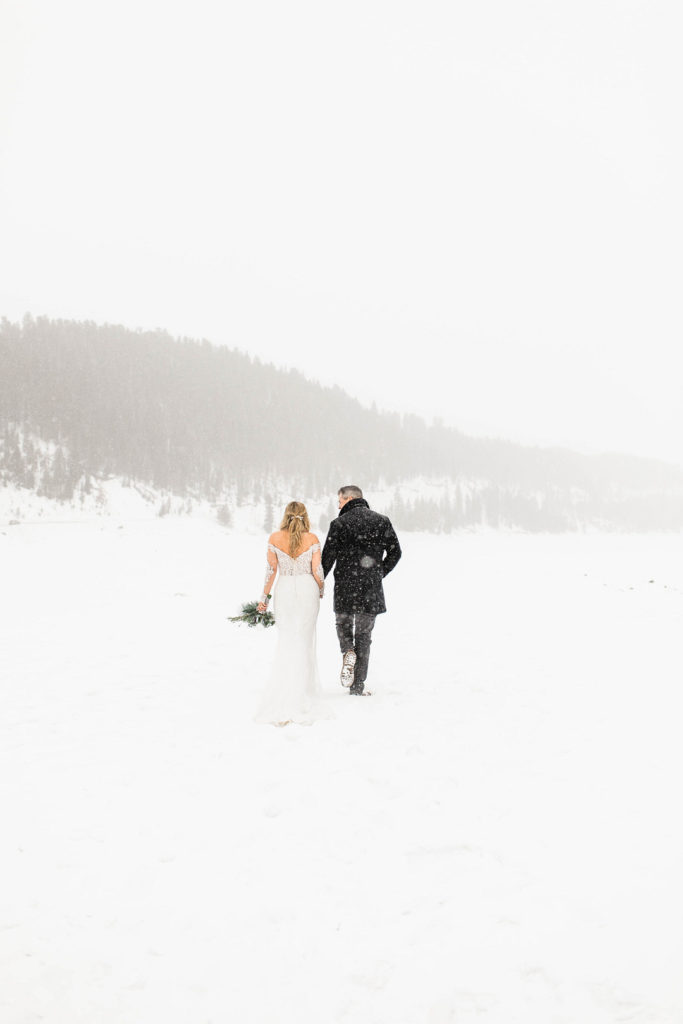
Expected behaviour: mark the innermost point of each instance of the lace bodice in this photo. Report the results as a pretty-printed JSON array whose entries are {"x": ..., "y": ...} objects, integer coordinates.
[
  {"x": 308, "y": 563},
  {"x": 302, "y": 565}
]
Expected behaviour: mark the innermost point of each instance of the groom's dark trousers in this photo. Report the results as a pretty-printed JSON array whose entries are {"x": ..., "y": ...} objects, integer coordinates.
[{"x": 354, "y": 630}]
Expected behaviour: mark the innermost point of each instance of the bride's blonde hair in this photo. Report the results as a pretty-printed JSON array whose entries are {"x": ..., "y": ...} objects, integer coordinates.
[{"x": 296, "y": 522}]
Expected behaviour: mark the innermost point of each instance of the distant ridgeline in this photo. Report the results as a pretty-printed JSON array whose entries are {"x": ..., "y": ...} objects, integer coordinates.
[{"x": 80, "y": 402}]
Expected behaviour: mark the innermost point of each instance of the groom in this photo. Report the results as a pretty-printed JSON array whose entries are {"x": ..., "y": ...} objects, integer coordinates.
[{"x": 365, "y": 548}]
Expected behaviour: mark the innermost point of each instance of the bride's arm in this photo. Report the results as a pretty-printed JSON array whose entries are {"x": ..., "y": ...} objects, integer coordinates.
[
  {"x": 271, "y": 569},
  {"x": 316, "y": 567}
]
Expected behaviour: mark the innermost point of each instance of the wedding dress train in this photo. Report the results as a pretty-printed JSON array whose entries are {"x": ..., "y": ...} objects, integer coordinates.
[{"x": 293, "y": 691}]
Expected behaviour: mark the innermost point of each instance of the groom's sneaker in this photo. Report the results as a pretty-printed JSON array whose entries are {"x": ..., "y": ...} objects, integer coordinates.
[{"x": 348, "y": 668}]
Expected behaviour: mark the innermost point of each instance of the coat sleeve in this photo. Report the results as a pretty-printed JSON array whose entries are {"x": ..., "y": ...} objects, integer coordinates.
[
  {"x": 329, "y": 556},
  {"x": 392, "y": 548}
]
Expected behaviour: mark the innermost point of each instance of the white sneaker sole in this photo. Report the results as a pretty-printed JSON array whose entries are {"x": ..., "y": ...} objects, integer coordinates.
[{"x": 348, "y": 669}]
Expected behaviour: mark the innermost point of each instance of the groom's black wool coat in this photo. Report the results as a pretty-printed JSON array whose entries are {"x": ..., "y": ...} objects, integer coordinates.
[{"x": 363, "y": 548}]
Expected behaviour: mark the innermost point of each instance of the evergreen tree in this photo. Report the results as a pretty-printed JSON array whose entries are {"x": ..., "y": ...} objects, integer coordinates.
[
  {"x": 269, "y": 515},
  {"x": 224, "y": 516}
]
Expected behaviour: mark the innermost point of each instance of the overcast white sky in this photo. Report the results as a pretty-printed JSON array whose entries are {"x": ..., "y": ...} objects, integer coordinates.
[{"x": 465, "y": 209}]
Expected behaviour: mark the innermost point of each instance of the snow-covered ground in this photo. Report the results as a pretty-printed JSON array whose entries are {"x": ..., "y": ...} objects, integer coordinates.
[{"x": 495, "y": 836}]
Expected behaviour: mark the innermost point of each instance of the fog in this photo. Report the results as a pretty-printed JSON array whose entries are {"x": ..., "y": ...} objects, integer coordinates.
[{"x": 465, "y": 211}]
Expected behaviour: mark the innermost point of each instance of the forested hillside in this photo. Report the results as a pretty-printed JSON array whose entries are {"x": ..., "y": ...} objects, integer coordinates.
[{"x": 81, "y": 401}]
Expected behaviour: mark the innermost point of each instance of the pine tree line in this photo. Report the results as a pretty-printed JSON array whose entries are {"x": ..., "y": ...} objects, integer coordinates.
[{"x": 80, "y": 402}]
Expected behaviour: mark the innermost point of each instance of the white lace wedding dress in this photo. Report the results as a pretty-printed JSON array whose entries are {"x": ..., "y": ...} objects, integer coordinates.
[{"x": 293, "y": 691}]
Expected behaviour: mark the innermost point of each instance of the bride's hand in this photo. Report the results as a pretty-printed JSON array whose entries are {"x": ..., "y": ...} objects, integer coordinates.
[{"x": 261, "y": 607}]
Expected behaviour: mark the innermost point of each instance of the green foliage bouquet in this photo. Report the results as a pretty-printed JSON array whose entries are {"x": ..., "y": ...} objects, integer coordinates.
[{"x": 253, "y": 617}]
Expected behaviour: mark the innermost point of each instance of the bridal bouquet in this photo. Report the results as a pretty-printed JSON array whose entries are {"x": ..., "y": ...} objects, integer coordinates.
[{"x": 253, "y": 617}]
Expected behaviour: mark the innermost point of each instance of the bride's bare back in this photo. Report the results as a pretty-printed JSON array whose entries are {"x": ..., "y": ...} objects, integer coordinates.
[{"x": 280, "y": 539}]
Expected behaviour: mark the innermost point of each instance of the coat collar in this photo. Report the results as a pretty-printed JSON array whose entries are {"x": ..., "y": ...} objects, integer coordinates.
[{"x": 354, "y": 503}]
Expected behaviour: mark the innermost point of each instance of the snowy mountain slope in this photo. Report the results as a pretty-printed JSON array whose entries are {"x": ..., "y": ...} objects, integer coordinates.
[{"x": 82, "y": 403}]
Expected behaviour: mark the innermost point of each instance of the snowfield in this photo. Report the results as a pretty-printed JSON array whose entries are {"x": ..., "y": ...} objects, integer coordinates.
[{"x": 495, "y": 836}]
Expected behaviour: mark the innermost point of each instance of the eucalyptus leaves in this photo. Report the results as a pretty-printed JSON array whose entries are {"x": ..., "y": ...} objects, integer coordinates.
[{"x": 253, "y": 617}]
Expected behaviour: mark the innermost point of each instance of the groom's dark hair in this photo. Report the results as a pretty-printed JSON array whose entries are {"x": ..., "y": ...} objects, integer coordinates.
[{"x": 350, "y": 491}]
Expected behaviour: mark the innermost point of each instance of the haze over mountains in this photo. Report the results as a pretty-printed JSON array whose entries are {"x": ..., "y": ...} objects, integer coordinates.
[{"x": 82, "y": 402}]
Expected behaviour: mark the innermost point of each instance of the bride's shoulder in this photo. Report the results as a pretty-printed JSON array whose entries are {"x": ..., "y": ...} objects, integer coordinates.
[{"x": 311, "y": 539}]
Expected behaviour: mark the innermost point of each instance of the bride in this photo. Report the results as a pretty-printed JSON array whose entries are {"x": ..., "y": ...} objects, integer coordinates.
[{"x": 293, "y": 691}]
